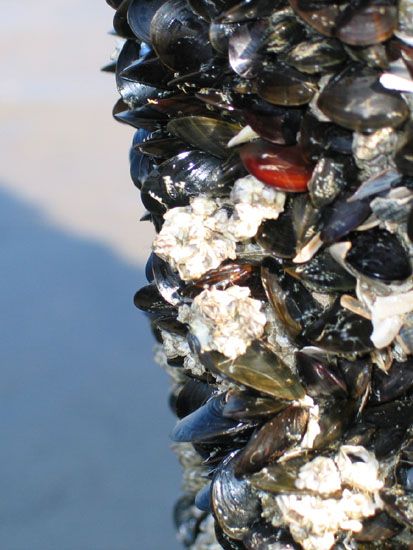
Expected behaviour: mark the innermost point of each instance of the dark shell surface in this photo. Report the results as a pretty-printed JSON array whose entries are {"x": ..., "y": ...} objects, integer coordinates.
[{"x": 378, "y": 254}]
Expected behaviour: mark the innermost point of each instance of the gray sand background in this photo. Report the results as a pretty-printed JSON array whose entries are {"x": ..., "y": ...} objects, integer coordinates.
[{"x": 85, "y": 462}]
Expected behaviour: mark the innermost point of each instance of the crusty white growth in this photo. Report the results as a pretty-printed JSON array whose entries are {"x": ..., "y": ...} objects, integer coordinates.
[
  {"x": 319, "y": 476},
  {"x": 373, "y": 152},
  {"x": 253, "y": 202},
  {"x": 198, "y": 237},
  {"x": 193, "y": 238},
  {"x": 358, "y": 468},
  {"x": 224, "y": 320},
  {"x": 344, "y": 491},
  {"x": 174, "y": 345}
]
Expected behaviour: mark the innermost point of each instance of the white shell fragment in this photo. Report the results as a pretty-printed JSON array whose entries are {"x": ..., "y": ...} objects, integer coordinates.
[
  {"x": 395, "y": 82},
  {"x": 244, "y": 136},
  {"x": 225, "y": 320},
  {"x": 344, "y": 491}
]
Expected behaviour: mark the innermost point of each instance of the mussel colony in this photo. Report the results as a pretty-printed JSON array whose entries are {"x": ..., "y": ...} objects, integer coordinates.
[{"x": 274, "y": 155}]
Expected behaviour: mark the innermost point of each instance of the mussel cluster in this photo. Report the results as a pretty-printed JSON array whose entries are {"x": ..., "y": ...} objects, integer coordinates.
[{"x": 274, "y": 155}]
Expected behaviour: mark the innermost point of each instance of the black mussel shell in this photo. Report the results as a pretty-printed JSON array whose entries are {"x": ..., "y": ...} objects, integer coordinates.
[
  {"x": 338, "y": 330},
  {"x": 161, "y": 146},
  {"x": 271, "y": 440},
  {"x": 203, "y": 498},
  {"x": 258, "y": 369},
  {"x": 293, "y": 304},
  {"x": 398, "y": 505},
  {"x": 321, "y": 377},
  {"x": 356, "y": 100},
  {"x": 187, "y": 519},
  {"x": 316, "y": 137},
  {"x": 323, "y": 274},
  {"x": 207, "y": 423},
  {"x": 226, "y": 542},
  {"x": 207, "y": 134},
  {"x": 149, "y": 299},
  {"x": 180, "y": 106},
  {"x": 283, "y": 85},
  {"x": 335, "y": 418},
  {"x": 140, "y": 165},
  {"x": 279, "y": 477},
  {"x": 276, "y": 124},
  {"x": 390, "y": 385},
  {"x": 369, "y": 23},
  {"x": 120, "y": 22},
  {"x": 263, "y": 536},
  {"x": 167, "y": 281},
  {"x": 133, "y": 93},
  {"x": 321, "y": 16},
  {"x": 193, "y": 395},
  {"x": 235, "y": 504},
  {"x": 150, "y": 72},
  {"x": 342, "y": 217},
  {"x": 404, "y": 469},
  {"x": 331, "y": 175},
  {"x": 245, "y": 48},
  {"x": 243, "y": 406},
  {"x": 163, "y": 187},
  {"x": 143, "y": 117},
  {"x": 356, "y": 374},
  {"x": 316, "y": 56},
  {"x": 248, "y": 9},
  {"x": 378, "y": 254},
  {"x": 180, "y": 37},
  {"x": 393, "y": 415},
  {"x": 277, "y": 236},
  {"x": 379, "y": 527},
  {"x": 404, "y": 154},
  {"x": 221, "y": 278},
  {"x": 410, "y": 225},
  {"x": 219, "y": 36},
  {"x": 140, "y": 16}
]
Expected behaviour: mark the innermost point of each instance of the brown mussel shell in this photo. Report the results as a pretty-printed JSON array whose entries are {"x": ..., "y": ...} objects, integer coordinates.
[
  {"x": 356, "y": 100},
  {"x": 271, "y": 440}
]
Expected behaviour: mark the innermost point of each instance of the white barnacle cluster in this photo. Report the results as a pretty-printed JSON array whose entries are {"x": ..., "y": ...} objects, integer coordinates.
[
  {"x": 193, "y": 238},
  {"x": 253, "y": 202},
  {"x": 175, "y": 345},
  {"x": 225, "y": 320},
  {"x": 334, "y": 495},
  {"x": 199, "y": 237}
]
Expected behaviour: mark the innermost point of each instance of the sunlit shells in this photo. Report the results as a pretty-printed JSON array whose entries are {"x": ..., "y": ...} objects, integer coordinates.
[
  {"x": 357, "y": 101},
  {"x": 280, "y": 167},
  {"x": 371, "y": 23},
  {"x": 283, "y": 85},
  {"x": 207, "y": 134},
  {"x": 179, "y": 37},
  {"x": 276, "y": 436},
  {"x": 379, "y": 254},
  {"x": 259, "y": 369},
  {"x": 244, "y": 48}
]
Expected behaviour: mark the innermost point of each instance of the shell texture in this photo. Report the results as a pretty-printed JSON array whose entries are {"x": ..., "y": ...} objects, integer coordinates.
[{"x": 273, "y": 153}]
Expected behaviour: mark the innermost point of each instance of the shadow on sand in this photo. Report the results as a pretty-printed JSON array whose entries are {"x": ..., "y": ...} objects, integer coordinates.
[{"x": 85, "y": 461}]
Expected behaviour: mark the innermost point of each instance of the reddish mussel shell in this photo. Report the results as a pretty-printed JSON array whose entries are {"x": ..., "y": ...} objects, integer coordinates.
[{"x": 284, "y": 168}]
